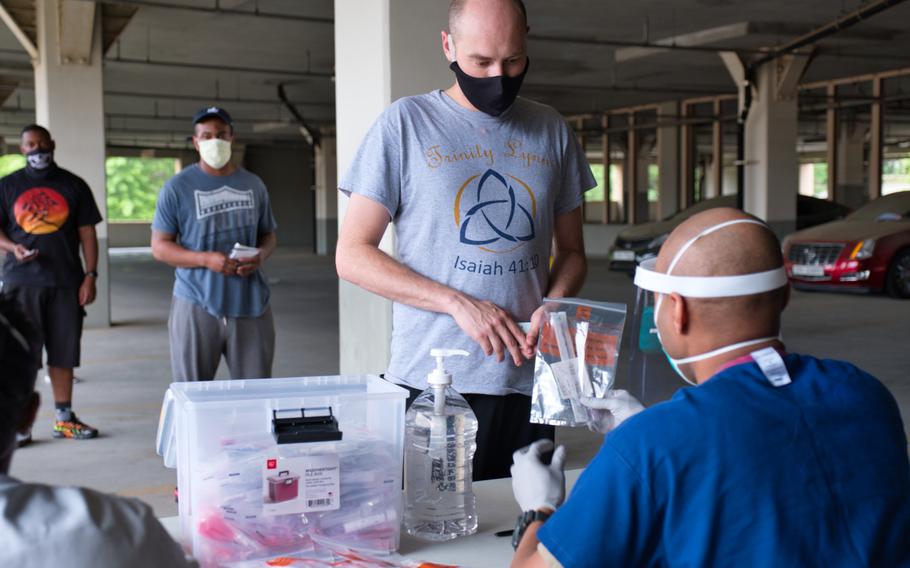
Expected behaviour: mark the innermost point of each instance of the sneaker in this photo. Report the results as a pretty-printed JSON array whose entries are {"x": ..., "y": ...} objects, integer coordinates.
[
  {"x": 23, "y": 439},
  {"x": 74, "y": 428}
]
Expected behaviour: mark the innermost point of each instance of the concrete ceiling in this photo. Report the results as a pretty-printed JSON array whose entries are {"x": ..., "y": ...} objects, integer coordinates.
[{"x": 174, "y": 56}]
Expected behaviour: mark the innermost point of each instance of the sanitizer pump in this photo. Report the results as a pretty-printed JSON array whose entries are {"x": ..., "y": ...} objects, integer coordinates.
[{"x": 440, "y": 439}]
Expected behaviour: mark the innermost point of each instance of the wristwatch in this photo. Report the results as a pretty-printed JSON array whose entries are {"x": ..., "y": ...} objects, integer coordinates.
[
  {"x": 524, "y": 520},
  {"x": 93, "y": 274}
]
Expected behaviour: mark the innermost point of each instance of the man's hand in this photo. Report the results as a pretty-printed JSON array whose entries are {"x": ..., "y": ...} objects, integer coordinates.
[
  {"x": 535, "y": 484},
  {"x": 491, "y": 327},
  {"x": 24, "y": 254},
  {"x": 249, "y": 265},
  {"x": 219, "y": 262},
  {"x": 530, "y": 342},
  {"x": 611, "y": 410},
  {"x": 87, "y": 291}
]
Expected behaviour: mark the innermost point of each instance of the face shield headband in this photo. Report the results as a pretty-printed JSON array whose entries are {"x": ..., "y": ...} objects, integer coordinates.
[{"x": 659, "y": 283}]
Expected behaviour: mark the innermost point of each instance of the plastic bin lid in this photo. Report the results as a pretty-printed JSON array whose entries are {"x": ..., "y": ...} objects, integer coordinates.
[
  {"x": 229, "y": 392},
  {"x": 221, "y": 392}
]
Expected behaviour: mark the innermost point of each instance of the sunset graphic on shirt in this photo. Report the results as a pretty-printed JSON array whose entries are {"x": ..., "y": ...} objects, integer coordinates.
[{"x": 41, "y": 210}]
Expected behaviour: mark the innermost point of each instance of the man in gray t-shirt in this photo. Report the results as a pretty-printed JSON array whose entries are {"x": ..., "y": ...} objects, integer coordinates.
[
  {"x": 483, "y": 188},
  {"x": 221, "y": 303}
]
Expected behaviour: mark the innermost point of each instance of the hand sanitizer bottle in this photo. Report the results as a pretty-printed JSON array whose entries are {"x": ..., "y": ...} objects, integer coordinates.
[{"x": 440, "y": 439}]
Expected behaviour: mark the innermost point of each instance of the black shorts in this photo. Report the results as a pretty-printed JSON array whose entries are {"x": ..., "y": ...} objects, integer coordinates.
[
  {"x": 57, "y": 316},
  {"x": 503, "y": 426}
]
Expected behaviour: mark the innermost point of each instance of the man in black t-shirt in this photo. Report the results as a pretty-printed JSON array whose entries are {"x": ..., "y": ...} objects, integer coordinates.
[{"x": 46, "y": 214}]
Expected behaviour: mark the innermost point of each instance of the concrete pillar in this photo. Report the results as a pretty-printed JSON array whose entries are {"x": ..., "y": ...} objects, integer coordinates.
[
  {"x": 326, "y": 196},
  {"x": 384, "y": 50},
  {"x": 69, "y": 102},
  {"x": 851, "y": 183},
  {"x": 772, "y": 171},
  {"x": 668, "y": 158}
]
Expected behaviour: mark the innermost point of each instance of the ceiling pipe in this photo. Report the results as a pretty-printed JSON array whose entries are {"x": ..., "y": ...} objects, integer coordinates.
[
  {"x": 642, "y": 44},
  {"x": 713, "y": 49},
  {"x": 311, "y": 136},
  {"x": 227, "y": 68},
  {"x": 628, "y": 89},
  {"x": 217, "y": 9},
  {"x": 751, "y": 68},
  {"x": 202, "y": 98},
  {"x": 199, "y": 98}
]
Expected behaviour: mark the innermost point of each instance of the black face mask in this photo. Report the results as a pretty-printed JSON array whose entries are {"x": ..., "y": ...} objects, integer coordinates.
[
  {"x": 490, "y": 95},
  {"x": 40, "y": 159}
]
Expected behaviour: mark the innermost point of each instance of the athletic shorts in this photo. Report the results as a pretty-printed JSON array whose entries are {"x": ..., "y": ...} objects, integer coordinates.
[{"x": 57, "y": 316}]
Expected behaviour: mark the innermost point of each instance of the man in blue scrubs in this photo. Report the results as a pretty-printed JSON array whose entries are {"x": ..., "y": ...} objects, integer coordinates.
[{"x": 773, "y": 459}]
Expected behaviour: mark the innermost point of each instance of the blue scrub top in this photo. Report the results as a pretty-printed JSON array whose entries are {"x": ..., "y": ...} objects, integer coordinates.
[{"x": 737, "y": 472}]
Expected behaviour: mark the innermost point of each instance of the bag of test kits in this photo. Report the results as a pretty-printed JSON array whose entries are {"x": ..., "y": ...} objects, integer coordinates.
[{"x": 577, "y": 355}]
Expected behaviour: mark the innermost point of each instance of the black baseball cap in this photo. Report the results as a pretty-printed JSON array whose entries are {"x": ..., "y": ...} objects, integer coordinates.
[{"x": 213, "y": 111}]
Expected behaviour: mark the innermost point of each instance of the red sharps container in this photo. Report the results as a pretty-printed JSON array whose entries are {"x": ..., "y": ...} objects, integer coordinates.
[{"x": 283, "y": 487}]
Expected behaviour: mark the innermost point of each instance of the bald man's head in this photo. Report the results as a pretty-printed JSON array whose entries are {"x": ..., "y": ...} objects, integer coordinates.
[
  {"x": 743, "y": 248},
  {"x": 738, "y": 249},
  {"x": 511, "y": 9}
]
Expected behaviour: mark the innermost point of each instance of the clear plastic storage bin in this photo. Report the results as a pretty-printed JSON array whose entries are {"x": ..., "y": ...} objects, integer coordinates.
[{"x": 277, "y": 467}]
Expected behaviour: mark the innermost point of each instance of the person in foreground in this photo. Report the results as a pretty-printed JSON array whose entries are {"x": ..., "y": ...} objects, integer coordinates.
[
  {"x": 42, "y": 525},
  {"x": 772, "y": 459}
]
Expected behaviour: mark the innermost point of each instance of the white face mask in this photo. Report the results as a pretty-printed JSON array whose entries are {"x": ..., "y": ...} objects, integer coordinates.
[
  {"x": 706, "y": 287},
  {"x": 215, "y": 152}
]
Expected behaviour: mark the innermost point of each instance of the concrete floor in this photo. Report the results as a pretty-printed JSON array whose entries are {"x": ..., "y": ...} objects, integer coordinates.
[{"x": 126, "y": 368}]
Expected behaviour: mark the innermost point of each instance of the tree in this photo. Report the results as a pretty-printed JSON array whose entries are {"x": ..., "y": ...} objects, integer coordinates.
[
  {"x": 133, "y": 185},
  {"x": 10, "y": 163}
]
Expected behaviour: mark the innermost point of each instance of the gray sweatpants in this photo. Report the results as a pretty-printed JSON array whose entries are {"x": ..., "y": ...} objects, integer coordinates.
[{"x": 199, "y": 339}]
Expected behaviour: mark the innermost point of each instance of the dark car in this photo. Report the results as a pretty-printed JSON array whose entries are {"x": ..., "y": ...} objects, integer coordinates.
[
  {"x": 641, "y": 242},
  {"x": 869, "y": 251}
]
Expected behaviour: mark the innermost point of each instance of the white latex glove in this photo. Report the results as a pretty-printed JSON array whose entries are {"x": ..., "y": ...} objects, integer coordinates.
[
  {"x": 535, "y": 484},
  {"x": 611, "y": 410}
]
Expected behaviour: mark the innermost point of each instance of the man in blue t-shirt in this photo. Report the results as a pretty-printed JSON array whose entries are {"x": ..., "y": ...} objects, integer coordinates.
[
  {"x": 221, "y": 298},
  {"x": 773, "y": 459}
]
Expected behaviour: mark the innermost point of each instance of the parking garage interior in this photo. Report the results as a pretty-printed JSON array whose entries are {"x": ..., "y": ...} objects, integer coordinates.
[{"x": 655, "y": 91}]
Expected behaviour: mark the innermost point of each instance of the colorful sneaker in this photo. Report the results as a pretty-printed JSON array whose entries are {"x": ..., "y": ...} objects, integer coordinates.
[{"x": 74, "y": 428}]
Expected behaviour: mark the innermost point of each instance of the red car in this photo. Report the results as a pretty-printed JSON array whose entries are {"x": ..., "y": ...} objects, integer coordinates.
[{"x": 867, "y": 251}]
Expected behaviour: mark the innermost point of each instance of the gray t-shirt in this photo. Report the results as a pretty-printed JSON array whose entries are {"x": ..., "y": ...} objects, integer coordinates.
[
  {"x": 211, "y": 213},
  {"x": 43, "y": 525},
  {"x": 473, "y": 199}
]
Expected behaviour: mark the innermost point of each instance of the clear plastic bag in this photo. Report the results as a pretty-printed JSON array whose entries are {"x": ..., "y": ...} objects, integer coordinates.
[{"x": 577, "y": 355}]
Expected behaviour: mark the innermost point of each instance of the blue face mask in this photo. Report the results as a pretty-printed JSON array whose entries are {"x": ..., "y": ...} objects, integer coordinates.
[{"x": 675, "y": 363}]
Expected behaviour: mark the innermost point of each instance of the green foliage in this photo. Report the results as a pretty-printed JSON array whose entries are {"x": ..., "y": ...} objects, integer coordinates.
[
  {"x": 896, "y": 166},
  {"x": 597, "y": 193},
  {"x": 653, "y": 183},
  {"x": 820, "y": 180},
  {"x": 133, "y": 185},
  {"x": 10, "y": 163}
]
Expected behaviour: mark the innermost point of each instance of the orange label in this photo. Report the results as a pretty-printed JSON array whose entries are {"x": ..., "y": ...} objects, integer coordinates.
[{"x": 600, "y": 348}]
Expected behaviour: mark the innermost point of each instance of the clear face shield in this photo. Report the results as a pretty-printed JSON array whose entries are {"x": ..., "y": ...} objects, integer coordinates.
[
  {"x": 648, "y": 375},
  {"x": 650, "y": 365}
]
